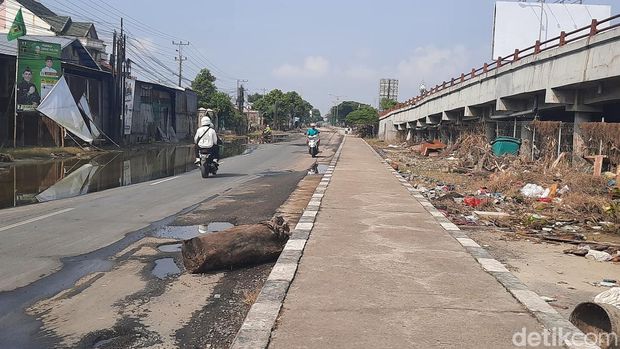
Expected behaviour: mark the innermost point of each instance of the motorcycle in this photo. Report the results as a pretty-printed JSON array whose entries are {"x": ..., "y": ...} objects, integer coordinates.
[
  {"x": 313, "y": 145},
  {"x": 267, "y": 137},
  {"x": 208, "y": 165}
]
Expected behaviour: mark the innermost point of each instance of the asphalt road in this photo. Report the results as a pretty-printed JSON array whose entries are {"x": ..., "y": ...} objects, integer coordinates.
[{"x": 37, "y": 239}]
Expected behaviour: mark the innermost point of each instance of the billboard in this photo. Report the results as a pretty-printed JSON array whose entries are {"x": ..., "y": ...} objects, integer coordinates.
[
  {"x": 518, "y": 25},
  {"x": 38, "y": 70}
]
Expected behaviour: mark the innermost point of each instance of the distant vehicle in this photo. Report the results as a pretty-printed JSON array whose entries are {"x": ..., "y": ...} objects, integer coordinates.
[
  {"x": 313, "y": 145},
  {"x": 208, "y": 165}
]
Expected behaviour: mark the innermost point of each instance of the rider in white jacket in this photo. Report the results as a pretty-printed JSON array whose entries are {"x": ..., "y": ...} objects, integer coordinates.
[{"x": 206, "y": 138}]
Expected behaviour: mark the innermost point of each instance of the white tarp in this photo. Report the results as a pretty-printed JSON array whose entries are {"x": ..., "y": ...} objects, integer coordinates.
[
  {"x": 83, "y": 104},
  {"x": 76, "y": 183},
  {"x": 60, "y": 106}
]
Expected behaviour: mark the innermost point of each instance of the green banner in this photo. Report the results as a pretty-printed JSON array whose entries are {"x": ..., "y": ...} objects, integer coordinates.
[
  {"x": 38, "y": 70},
  {"x": 18, "y": 28}
]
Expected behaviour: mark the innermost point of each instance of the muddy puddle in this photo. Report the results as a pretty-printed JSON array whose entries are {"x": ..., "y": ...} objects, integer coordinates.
[
  {"x": 170, "y": 248},
  {"x": 31, "y": 183},
  {"x": 318, "y": 169},
  {"x": 165, "y": 267},
  {"x": 190, "y": 231}
]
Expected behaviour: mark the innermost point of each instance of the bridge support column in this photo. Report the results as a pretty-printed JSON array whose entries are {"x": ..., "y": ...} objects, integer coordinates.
[
  {"x": 578, "y": 142},
  {"x": 490, "y": 130},
  {"x": 526, "y": 141}
]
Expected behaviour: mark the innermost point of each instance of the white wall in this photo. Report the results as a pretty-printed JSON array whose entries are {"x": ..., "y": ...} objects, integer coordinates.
[
  {"x": 517, "y": 24},
  {"x": 34, "y": 25}
]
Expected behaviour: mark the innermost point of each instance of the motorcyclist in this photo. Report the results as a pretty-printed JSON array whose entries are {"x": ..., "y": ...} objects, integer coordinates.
[
  {"x": 312, "y": 131},
  {"x": 206, "y": 138},
  {"x": 267, "y": 134}
]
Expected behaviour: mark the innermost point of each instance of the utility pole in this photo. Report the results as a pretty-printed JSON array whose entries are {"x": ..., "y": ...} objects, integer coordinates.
[
  {"x": 114, "y": 91},
  {"x": 337, "y": 106},
  {"x": 119, "y": 80},
  {"x": 275, "y": 115},
  {"x": 240, "y": 94},
  {"x": 180, "y": 59},
  {"x": 542, "y": 4}
]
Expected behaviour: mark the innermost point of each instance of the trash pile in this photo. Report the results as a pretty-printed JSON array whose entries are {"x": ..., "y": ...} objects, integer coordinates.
[{"x": 544, "y": 201}]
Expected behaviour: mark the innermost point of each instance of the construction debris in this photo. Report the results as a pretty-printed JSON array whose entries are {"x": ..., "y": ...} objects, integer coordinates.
[{"x": 540, "y": 200}]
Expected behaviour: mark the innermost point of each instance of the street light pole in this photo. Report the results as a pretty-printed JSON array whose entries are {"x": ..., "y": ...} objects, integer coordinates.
[
  {"x": 337, "y": 106},
  {"x": 542, "y": 4}
]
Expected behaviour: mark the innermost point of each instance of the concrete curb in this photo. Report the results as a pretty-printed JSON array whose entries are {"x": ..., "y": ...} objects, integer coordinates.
[
  {"x": 256, "y": 329},
  {"x": 543, "y": 312}
]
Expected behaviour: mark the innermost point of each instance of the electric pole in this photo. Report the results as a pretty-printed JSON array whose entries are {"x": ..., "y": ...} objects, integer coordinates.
[
  {"x": 180, "y": 59},
  {"x": 240, "y": 94},
  {"x": 335, "y": 120}
]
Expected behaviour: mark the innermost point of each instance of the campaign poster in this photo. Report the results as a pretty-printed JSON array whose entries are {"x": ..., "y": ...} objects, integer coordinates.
[
  {"x": 130, "y": 86},
  {"x": 38, "y": 70}
]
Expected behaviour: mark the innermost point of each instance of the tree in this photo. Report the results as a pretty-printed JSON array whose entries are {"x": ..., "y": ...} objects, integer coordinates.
[
  {"x": 315, "y": 115},
  {"x": 365, "y": 118},
  {"x": 221, "y": 102},
  {"x": 343, "y": 109},
  {"x": 204, "y": 86},
  {"x": 387, "y": 103},
  {"x": 254, "y": 97},
  {"x": 280, "y": 109}
]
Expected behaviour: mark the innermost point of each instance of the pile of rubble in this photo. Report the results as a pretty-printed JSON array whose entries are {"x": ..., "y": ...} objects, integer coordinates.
[{"x": 544, "y": 201}]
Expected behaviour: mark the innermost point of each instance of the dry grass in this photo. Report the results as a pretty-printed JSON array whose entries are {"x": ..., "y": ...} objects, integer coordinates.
[
  {"x": 596, "y": 134},
  {"x": 249, "y": 297},
  {"x": 41, "y": 152},
  {"x": 592, "y": 206}
]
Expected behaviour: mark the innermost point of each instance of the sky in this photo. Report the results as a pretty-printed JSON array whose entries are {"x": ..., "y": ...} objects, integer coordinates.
[{"x": 325, "y": 50}]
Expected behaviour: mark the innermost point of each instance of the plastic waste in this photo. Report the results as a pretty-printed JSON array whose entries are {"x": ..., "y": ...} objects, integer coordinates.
[
  {"x": 599, "y": 256},
  {"x": 533, "y": 191},
  {"x": 565, "y": 189}
]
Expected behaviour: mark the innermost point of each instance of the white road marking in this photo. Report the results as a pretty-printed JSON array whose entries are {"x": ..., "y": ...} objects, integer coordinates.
[
  {"x": 165, "y": 180},
  {"x": 36, "y": 219}
]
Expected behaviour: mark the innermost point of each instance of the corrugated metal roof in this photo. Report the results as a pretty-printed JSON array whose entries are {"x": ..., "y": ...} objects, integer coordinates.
[
  {"x": 79, "y": 29},
  {"x": 162, "y": 83},
  {"x": 58, "y": 23},
  {"x": 37, "y": 8}
]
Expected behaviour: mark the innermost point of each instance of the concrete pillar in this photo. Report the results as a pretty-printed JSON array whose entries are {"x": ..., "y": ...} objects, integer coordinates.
[
  {"x": 489, "y": 128},
  {"x": 526, "y": 141},
  {"x": 578, "y": 142}
]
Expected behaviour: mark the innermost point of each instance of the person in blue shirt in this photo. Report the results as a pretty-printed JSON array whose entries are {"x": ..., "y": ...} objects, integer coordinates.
[{"x": 312, "y": 131}]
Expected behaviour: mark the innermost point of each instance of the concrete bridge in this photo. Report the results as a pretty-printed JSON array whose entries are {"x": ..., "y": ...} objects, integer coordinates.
[{"x": 573, "y": 78}]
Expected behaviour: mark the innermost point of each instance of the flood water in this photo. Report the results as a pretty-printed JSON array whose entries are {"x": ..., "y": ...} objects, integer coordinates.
[
  {"x": 186, "y": 232},
  {"x": 30, "y": 183},
  {"x": 165, "y": 267}
]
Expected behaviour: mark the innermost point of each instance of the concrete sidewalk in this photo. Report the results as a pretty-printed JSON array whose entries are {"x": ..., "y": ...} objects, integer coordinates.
[{"x": 379, "y": 271}]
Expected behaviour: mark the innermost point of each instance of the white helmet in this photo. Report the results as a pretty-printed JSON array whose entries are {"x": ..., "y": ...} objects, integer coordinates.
[{"x": 205, "y": 121}]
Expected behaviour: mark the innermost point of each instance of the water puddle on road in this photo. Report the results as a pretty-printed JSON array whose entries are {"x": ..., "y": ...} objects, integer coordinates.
[
  {"x": 170, "y": 248},
  {"x": 34, "y": 182},
  {"x": 190, "y": 231},
  {"x": 165, "y": 267},
  {"x": 218, "y": 226},
  {"x": 318, "y": 169}
]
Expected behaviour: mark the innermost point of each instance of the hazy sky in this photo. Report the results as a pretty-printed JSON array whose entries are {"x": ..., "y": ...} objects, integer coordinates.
[{"x": 317, "y": 47}]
